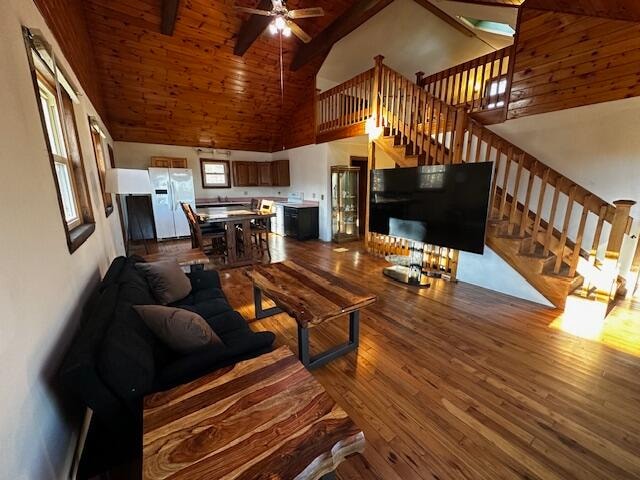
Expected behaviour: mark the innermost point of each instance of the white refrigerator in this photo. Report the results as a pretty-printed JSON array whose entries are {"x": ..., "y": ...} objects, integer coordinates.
[{"x": 170, "y": 187}]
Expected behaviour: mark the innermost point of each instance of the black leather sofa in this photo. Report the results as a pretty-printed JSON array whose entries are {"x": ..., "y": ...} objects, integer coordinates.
[{"x": 115, "y": 360}]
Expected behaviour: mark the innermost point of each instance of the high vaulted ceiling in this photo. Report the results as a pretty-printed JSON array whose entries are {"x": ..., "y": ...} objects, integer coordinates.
[{"x": 190, "y": 88}]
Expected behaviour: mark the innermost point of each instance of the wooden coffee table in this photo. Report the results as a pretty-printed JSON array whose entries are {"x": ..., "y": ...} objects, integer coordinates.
[
  {"x": 262, "y": 418},
  {"x": 312, "y": 296}
]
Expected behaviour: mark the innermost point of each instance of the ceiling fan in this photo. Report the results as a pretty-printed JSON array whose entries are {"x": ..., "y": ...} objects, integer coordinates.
[{"x": 283, "y": 18}]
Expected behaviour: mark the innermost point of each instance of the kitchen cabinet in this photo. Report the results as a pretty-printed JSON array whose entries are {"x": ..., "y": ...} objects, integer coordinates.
[
  {"x": 245, "y": 174},
  {"x": 301, "y": 223},
  {"x": 264, "y": 173},
  {"x": 280, "y": 173},
  {"x": 267, "y": 174},
  {"x": 168, "y": 162}
]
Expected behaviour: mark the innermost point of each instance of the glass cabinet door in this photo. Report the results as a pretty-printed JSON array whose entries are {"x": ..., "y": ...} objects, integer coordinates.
[{"x": 344, "y": 199}]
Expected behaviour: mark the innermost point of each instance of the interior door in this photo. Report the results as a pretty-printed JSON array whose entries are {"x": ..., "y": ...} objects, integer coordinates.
[
  {"x": 161, "y": 200},
  {"x": 183, "y": 191}
]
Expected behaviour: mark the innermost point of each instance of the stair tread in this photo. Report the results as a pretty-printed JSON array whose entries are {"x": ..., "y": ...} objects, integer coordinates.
[
  {"x": 538, "y": 252},
  {"x": 563, "y": 273}
]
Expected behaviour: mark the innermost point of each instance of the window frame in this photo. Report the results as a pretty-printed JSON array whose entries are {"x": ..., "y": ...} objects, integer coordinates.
[
  {"x": 227, "y": 172},
  {"x": 55, "y": 134},
  {"x": 99, "y": 153},
  {"x": 45, "y": 73}
]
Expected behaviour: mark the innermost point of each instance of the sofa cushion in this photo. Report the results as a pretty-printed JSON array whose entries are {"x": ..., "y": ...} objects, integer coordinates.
[
  {"x": 246, "y": 344},
  {"x": 78, "y": 372},
  {"x": 226, "y": 322},
  {"x": 209, "y": 308},
  {"x": 197, "y": 296},
  {"x": 203, "y": 279},
  {"x": 182, "y": 330},
  {"x": 134, "y": 288},
  {"x": 167, "y": 280},
  {"x": 126, "y": 361}
]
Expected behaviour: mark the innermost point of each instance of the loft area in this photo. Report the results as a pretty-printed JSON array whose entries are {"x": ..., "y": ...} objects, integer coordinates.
[{"x": 320, "y": 240}]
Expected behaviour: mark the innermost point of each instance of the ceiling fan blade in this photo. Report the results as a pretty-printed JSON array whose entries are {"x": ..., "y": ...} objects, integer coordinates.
[
  {"x": 254, "y": 11},
  {"x": 306, "y": 12},
  {"x": 298, "y": 32}
]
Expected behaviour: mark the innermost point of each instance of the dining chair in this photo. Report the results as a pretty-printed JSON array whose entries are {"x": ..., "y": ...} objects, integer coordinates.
[
  {"x": 213, "y": 241},
  {"x": 260, "y": 230}
]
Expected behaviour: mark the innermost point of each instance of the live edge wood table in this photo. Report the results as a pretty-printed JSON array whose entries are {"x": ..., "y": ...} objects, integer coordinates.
[
  {"x": 264, "y": 418},
  {"x": 311, "y": 296}
]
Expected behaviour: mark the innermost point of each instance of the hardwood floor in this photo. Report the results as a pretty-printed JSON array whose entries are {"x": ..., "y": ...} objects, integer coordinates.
[{"x": 458, "y": 382}]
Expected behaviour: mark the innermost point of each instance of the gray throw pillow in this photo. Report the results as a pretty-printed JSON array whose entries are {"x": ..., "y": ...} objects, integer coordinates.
[
  {"x": 181, "y": 330},
  {"x": 167, "y": 280}
]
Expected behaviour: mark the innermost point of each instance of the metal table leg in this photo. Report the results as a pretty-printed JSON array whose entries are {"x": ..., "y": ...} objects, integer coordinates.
[
  {"x": 257, "y": 302},
  {"x": 323, "y": 358}
]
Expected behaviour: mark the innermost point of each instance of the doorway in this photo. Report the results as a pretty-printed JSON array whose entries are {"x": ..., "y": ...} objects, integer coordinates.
[{"x": 363, "y": 164}]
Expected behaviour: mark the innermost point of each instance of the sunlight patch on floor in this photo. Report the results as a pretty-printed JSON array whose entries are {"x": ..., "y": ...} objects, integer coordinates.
[{"x": 587, "y": 319}]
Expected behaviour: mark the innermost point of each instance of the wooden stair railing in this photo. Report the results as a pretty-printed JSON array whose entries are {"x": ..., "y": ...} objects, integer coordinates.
[
  {"x": 481, "y": 85},
  {"x": 343, "y": 110},
  {"x": 542, "y": 223}
]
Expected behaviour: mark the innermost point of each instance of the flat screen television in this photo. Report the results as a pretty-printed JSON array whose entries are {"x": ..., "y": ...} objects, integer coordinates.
[{"x": 444, "y": 205}]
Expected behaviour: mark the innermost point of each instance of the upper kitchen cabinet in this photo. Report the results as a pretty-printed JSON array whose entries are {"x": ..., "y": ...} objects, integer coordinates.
[
  {"x": 266, "y": 174},
  {"x": 280, "y": 173}
]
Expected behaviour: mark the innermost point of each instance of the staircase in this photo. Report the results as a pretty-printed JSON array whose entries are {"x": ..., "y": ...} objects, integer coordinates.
[{"x": 541, "y": 223}]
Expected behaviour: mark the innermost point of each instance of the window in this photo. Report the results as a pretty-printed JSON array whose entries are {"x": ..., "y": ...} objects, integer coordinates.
[
  {"x": 98, "y": 137},
  {"x": 56, "y": 138},
  {"x": 488, "y": 26},
  {"x": 55, "y": 99},
  {"x": 215, "y": 173},
  {"x": 495, "y": 91}
]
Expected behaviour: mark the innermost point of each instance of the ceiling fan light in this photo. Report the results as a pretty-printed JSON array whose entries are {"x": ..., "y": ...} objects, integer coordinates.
[
  {"x": 280, "y": 23},
  {"x": 286, "y": 32},
  {"x": 272, "y": 28}
]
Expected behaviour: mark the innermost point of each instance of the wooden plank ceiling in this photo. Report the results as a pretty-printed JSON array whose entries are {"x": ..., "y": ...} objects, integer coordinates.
[
  {"x": 618, "y": 9},
  {"x": 190, "y": 88}
]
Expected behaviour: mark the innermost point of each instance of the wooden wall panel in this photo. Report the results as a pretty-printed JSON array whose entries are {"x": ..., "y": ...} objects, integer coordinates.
[
  {"x": 619, "y": 9},
  {"x": 66, "y": 20},
  {"x": 565, "y": 61}
]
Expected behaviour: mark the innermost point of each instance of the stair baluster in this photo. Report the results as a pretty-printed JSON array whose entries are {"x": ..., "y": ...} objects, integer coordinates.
[{"x": 565, "y": 230}]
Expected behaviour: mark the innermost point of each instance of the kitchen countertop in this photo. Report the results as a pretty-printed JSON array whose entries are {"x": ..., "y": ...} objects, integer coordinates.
[{"x": 298, "y": 205}]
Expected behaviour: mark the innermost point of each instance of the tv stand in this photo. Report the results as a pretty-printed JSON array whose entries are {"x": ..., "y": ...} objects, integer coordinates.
[{"x": 402, "y": 274}]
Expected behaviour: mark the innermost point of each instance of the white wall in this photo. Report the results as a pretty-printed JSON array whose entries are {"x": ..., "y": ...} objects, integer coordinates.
[
  {"x": 490, "y": 271},
  {"x": 42, "y": 286},
  {"x": 138, "y": 155},
  {"x": 411, "y": 39},
  {"x": 597, "y": 146},
  {"x": 311, "y": 171}
]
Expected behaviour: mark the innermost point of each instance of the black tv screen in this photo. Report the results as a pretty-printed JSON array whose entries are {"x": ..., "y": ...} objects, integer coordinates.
[{"x": 444, "y": 205}]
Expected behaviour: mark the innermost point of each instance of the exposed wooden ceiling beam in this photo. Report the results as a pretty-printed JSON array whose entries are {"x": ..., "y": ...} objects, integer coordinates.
[
  {"x": 489, "y": 3},
  {"x": 169, "y": 16},
  {"x": 442, "y": 15},
  {"x": 251, "y": 29},
  {"x": 356, "y": 15}
]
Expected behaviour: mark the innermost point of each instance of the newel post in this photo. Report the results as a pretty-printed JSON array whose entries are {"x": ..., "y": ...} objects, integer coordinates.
[
  {"x": 377, "y": 81},
  {"x": 620, "y": 226}
]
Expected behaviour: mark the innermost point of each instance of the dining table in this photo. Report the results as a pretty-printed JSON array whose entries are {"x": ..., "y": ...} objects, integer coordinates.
[{"x": 237, "y": 225}]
